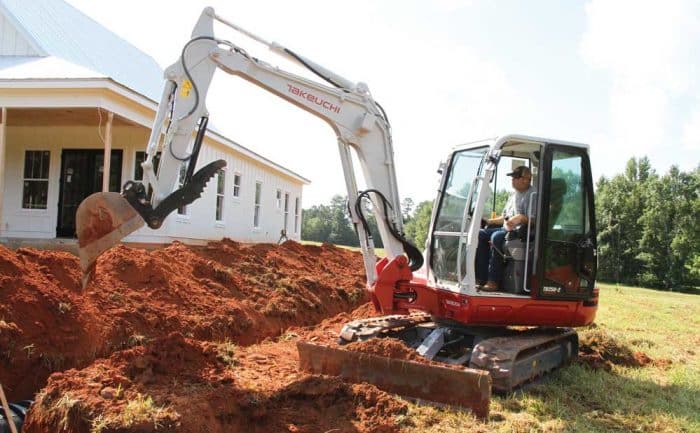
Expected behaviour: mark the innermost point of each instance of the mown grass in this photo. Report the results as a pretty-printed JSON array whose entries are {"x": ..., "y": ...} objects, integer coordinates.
[{"x": 663, "y": 396}]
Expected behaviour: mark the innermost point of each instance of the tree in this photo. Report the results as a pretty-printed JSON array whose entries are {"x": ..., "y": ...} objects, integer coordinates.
[
  {"x": 417, "y": 227},
  {"x": 693, "y": 267},
  {"x": 619, "y": 203},
  {"x": 342, "y": 232},
  {"x": 647, "y": 227},
  {"x": 669, "y": 224},
  {"x": 315, "y": 223},
  {"x": 406, "y": 208}
]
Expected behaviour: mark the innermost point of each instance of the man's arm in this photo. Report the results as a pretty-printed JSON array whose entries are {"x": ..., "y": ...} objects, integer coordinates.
[
  {"x": 521, "y": 216},
  {"x": 515, "y": 221},
  {"x": 498, "y": 221}
]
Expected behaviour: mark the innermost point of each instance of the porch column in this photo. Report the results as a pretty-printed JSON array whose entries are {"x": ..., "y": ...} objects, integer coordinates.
[
  {"x": 3, "y": 146},
  {"x": 108, "y": 153}
]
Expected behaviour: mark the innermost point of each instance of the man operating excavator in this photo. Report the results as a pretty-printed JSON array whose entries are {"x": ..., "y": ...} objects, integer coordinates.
[{"x": 489, "y": 254}]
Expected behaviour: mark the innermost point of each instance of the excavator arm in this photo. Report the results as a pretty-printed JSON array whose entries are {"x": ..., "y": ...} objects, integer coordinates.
[{"x": 359, "y": 123}]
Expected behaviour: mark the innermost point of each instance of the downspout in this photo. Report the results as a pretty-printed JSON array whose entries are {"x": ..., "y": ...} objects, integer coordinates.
[{"x": 3, "y": 147}]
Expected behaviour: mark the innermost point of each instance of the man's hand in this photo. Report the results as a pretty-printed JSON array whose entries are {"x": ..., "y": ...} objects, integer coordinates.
[
  {"x": 508, "y": 225},
  {"x": 514, "y": 221}
]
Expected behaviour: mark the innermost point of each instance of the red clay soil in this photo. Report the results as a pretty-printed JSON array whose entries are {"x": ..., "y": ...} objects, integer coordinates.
[
  {"x": 180, "y": 384},
  {"x": 184, "y": 339},
  {"x": 599, "y": 350},
  {"x": 225, "y": 291}
]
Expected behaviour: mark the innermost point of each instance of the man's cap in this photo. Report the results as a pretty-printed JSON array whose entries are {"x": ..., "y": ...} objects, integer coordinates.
[{"x": 520, "y": 172}]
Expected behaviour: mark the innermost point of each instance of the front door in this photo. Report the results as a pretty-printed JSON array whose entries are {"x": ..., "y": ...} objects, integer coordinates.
[{"x": 81, "y": 175}]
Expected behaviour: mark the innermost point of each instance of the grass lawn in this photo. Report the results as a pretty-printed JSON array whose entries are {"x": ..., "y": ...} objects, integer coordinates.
[{"x": 663, "y": 396}]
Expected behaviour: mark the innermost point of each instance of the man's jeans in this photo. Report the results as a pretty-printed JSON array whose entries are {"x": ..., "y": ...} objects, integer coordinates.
[{"x": 489, "y": 263}]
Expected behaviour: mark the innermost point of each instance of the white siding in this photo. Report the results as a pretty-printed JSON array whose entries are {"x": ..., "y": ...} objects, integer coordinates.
[
  {"x": 12, "y": 43},
  {"x": 237, "y": 223},
  {"x": 198, "y": 224}
]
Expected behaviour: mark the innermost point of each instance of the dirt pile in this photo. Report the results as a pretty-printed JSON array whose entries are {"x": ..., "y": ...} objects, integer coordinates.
[
  {"x": 180, "y": 384},
  {"x": 224, "y": 291},
  {"x": 599, "y": 350}
]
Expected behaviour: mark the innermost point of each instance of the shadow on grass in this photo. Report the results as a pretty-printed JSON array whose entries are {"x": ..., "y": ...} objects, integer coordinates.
[
  {"x": 601, "y": 401},
  {"x": 691, "y": 291}
]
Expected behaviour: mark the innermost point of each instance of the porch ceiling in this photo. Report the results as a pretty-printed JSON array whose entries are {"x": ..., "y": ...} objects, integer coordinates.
[{"x": 62, "y": 117}]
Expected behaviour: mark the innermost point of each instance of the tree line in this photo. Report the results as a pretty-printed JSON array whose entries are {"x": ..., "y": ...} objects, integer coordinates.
[
  {"x": 648, "y": 229},
  {"x": 648, "y": 225}
]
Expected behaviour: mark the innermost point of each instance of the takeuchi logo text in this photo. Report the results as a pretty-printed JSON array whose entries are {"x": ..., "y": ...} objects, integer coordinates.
[{"x": 303, "y": 94}]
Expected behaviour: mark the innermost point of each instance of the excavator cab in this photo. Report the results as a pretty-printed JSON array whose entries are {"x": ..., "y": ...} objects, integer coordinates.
[{"x": 554, "y": 256}]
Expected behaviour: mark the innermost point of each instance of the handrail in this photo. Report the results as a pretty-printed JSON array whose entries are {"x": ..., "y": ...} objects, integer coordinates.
[{"x": 527, "y": 242}]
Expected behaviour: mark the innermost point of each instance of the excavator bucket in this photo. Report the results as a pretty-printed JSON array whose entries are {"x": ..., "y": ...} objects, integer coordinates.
[
  {"x": 463, "y": 387},
  {"x": 101, "y": 221}
]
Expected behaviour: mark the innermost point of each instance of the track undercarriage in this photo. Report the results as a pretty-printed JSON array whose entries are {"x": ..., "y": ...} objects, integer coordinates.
[
  {"x": 512, "y": 356},
  {"x": 476, "y": 359}
]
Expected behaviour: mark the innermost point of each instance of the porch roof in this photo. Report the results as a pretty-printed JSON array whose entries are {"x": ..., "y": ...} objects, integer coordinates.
[{"x": 76, "y": 102}]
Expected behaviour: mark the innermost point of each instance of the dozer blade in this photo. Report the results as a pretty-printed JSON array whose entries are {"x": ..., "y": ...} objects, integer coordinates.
[
  {"x": 101, "y": 221},
  {"x": 465, "y": 387}
]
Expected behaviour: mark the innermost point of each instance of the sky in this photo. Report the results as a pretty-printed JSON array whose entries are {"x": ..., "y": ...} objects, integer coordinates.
[{"x": 620, "y": 76}]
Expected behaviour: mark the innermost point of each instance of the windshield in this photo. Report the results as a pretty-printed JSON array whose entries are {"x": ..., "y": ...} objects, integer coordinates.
[{"x": 465, "y": 167}]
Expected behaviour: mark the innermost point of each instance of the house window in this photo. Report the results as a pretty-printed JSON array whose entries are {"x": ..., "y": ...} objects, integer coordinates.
[
  {"x": 296, "y": 215},
  {"x": 256, "y": 212},
  {"x": 182, "y": 210},
  {"x": 286, "y": 210},
  {"x": 139, "y": 158},
  {"x": 36, "y": 179},
  {"x": 278, "y": 199},
  {"x": 220, "y": 184},
  {"x": 237, "y": 185}
]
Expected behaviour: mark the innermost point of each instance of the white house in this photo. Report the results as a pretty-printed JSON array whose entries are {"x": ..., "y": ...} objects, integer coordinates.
[{"x": 72, "y": 92}]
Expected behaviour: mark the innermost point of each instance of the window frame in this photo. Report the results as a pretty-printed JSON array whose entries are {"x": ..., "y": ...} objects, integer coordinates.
[
  {"x": 278, "y": 200},
  {"x": 220, "y": 195},
  {"x": 137, "y": 165},
  {"x": 45, "y": 181},
  {"x": 237, "y": 186},
  {"x": 297, "y": 214},
  {"x": 285, "y": 211},
  {"x": 257, "y": 205}
]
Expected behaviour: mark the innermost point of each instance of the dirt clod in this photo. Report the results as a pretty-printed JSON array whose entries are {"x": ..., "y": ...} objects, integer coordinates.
[{"x": 599, "y": 350}]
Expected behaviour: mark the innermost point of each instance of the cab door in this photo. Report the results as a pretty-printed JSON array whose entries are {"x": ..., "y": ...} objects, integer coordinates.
[{"x": 567, "y": 263}]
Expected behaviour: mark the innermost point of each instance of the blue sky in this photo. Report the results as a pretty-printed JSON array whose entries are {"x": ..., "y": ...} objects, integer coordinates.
[{"x": 620, "y": 76}]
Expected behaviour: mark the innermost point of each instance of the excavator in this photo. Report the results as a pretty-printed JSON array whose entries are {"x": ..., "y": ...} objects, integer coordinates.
[{"x": 473, "y": 341}]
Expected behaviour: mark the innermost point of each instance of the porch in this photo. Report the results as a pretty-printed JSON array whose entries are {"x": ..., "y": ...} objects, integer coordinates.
[{"x": 52, "y": 158}]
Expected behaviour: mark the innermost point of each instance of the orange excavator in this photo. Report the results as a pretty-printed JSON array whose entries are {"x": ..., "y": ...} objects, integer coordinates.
[{"x": 476, "y": 338}]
